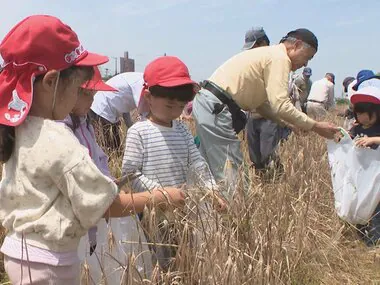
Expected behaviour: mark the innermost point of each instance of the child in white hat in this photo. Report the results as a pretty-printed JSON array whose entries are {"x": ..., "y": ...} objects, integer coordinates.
[
  {"x": 366, "y": 107},
  {"x": 366, "y": 132}
]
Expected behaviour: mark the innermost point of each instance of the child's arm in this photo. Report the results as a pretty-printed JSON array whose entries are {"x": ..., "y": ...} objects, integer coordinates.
[
  {"x": 93, "y": 195},
  {"x": 127, "y": 204},
  {"x": 133, "y": 162},
  {"x": 367, "y": 141}
]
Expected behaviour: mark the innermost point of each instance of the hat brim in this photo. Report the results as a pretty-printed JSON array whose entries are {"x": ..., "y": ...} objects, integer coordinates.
[
  {"x": 364, "y": 98},
  {"x": 248, "y": 45},
  {"x": 98, "y": 86},
  {"x": 179, "y": 82},
  {"x": 91, "y": 59},
  {"x": 356, "y": 86}
]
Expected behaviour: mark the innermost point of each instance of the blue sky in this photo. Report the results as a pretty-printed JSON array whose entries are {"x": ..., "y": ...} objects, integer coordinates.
[{"x": 206, "y": 33}]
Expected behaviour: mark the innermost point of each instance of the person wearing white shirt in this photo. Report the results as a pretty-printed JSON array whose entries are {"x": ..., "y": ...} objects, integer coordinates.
[
  {"x": 321, "y": 97},
  {"x": 300, "y": 87},
  {"x": 109, "y": 107}
]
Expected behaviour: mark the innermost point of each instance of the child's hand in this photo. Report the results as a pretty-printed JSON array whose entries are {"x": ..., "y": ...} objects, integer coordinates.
[
  {"x": 169, "y": 196},
  {"x": 365, "y": 141},
  {"x": 218, "y": 201},
  {"x": 221, "y": 204}
]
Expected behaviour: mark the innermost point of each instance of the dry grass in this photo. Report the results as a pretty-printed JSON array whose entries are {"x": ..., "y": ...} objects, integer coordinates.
[{"x": 280, "y": 232}]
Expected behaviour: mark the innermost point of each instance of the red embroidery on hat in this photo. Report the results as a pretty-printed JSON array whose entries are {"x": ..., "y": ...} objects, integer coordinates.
[
  {"x": 69, "y": 58},
  {"x": 18, "y": 105},
  {"x": 72, "y": 56}
]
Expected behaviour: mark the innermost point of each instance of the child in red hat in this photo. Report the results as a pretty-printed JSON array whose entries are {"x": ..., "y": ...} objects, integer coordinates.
[
  {"x": 160, "y": 150},
  {"x": 52, "y": 193},
  {"x": 97, "y": 239}
]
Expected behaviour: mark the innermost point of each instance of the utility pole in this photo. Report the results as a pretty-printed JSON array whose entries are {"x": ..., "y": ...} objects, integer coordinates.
[{"x": 115, "y": 58}]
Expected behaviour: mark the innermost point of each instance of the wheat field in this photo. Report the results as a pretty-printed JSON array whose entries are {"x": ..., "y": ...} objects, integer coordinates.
[{"x": 281, "y": 231}]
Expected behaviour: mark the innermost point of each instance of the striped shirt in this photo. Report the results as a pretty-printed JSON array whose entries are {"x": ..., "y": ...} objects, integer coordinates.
[{"x": 162, "y": 156}]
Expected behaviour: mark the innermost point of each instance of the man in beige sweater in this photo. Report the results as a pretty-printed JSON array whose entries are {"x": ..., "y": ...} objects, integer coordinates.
[{"x": 253, "y": 79}]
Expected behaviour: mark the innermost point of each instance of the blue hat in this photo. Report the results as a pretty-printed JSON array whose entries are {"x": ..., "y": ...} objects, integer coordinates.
[
  {"x": 363, "y": 75},
  {"x": 252, "y": 35},
  {"x": 307, "y": 71}
]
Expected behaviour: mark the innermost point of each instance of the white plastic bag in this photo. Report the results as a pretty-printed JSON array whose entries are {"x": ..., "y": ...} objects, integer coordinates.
[
  {"x": 106, "y": 264},
  {"x": 355, "y": 176}
]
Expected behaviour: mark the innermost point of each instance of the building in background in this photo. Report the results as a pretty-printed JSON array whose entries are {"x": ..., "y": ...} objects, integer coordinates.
[{"x": 127, "y": 64}]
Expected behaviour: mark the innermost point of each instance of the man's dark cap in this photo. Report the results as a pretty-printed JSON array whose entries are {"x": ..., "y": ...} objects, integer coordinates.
[
  {"x": 332, "y": 76},
  {"x": 347, "y": 82},
  {"x": 304, "y": 35}
]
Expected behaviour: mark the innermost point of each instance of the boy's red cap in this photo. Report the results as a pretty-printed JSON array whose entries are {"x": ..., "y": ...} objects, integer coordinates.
[
  {"x": 34, "y": 46},
  {"x": 97, "y": 83},
  {"x": 167, "y": 71}
]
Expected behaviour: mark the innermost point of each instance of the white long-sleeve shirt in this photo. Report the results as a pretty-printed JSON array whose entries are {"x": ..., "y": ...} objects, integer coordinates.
[
  {"x": 112, "y": 105},
  {"x": 162, "y": 156},
  {"x": 322, "y": 91}
]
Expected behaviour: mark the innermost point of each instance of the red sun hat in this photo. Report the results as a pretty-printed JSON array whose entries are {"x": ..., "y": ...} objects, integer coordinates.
[
  {"x": 167, "y": 71},
  {"x": 33, "y": 47},
  {"x": 97, "y": 83}
]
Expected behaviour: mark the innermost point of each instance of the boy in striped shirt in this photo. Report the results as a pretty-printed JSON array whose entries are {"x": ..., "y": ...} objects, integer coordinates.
[{"x": 160, "y": 150}]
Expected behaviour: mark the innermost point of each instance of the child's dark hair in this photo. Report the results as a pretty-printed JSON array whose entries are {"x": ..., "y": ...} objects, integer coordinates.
[
  {"x": 76, "y": 122},
  {"x": 369, "y": 108},
  {"x": 7, "y": 133},
  {"x": 183, "y": 93}
]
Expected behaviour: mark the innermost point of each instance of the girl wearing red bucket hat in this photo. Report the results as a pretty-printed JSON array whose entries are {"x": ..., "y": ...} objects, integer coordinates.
[{"x": 52, "y": 193}]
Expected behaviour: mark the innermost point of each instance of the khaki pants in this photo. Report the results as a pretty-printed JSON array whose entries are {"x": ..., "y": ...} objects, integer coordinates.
[
  {"x": 216, "y": 134},
  {"x": 40, "y": 274},
  {"x": 316, "y": 110}
]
